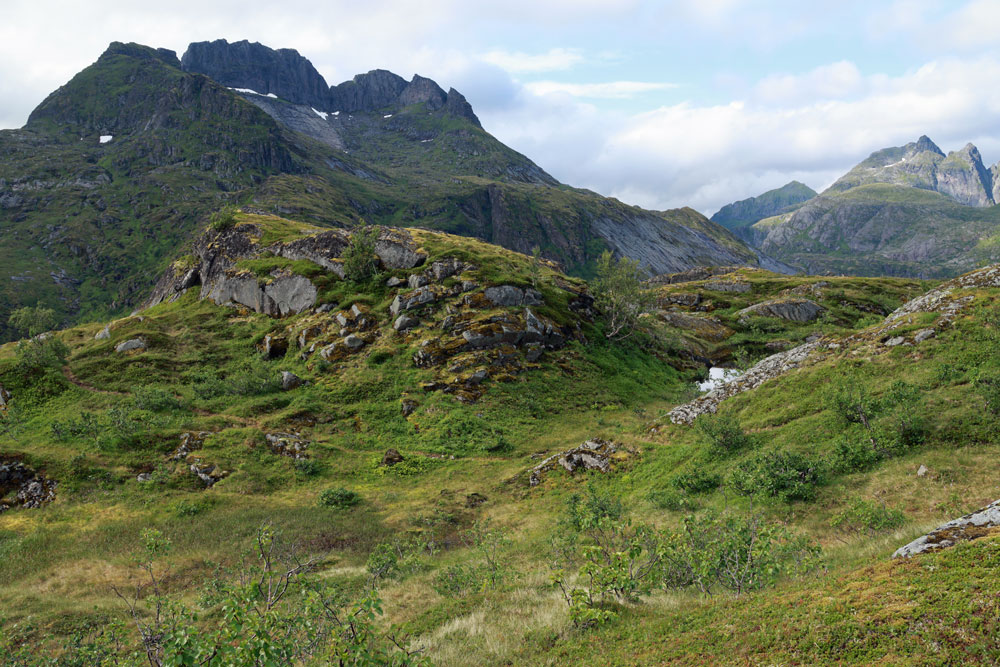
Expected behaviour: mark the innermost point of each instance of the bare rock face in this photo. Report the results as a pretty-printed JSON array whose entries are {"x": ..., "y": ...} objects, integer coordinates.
[
  {"x": 508, "y": 295},
  {"x": 969, "y": 527},
  {"x": 795, "y": 310},
  {"x": 33, "y": 489},
  {"x": 963, "y": 177}
]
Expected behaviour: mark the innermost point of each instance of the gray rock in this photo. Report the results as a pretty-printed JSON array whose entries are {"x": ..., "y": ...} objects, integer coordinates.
[
  {"x": 591, "y": 455},
  {"x": 287, "y": 444},
  {"x": 104, "y": 333},
  {"x": 968, "y": 527},
  {"x": 290, "y": 380},
  {"x": 418, "y": 297},
  {"x": 208, "y": 473},
  {"x": 468, "y": 285},
  {"x": 408, "y": 407},
  {"x": 144, "y": 477},
  {"x": 732, "y": 286},
  {"x": 274, "y": 347},
  {"x": 394, "y": 282},
  {"x": 326, "y": 308},
  {"x": 329, "y": 350},
  {"x": 405, "y": 323},
  {"x": 5, "y": 397},
  {"x": 922, "y": 471},
  {"x": 795, "y": 310},
  {"x": 446, "y": 268},
  {"x": 354, "y": 342},
  {"x": 893, "y": 342},
  {"x": 417, "y": 280},
  {"x": 508, "y": 295},
  {"x": 392, "y": 457},
  {"x": 130, "y": 345},
  {"x": 923, "y": 335}
]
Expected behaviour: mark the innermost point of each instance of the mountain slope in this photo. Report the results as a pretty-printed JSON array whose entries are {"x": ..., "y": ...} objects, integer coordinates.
[
  {"x": 906, "y": 211},
  {"x": 745, "y": 212},
  {"x": 120, "y": 167}
]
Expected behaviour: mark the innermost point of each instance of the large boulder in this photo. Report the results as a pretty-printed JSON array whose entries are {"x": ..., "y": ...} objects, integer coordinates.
[
  {"x": 134, "y": 344},
  {"x": 592, "y": 455},
  {"x": 508, "y": 295},
  {"x": 795, "y": 310},
  {"x": 969, "y": 527}
]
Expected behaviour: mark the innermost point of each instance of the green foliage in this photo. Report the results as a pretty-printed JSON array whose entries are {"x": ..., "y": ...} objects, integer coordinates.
[
  {"x": 868, "y": 517},
  {"x": 338, "y": 498},
  {"x": 38, "y": 365},
  {"x": 738, "y": 553},
  {"x": 154, "y": 399},
  {"x": 307, "y": 467},
  {"x": 251, "y": 377},
  {"x": 784, "y": 475},
  {"x": 988, "y": 389},
  {"x": 33, "y": 321},
  {"x": 696, "y": 479},
  {"x": 490, "y": 569},
  {"x": 359, "y": 258},
  {"x": 620, "y": 295},
  {"x": 223, "y": 220},
  {"x": 724, "y": 434}
]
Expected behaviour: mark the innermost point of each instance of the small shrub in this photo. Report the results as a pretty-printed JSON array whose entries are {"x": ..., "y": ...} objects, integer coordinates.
[
  {"x": 695, "y": 479},
  {"x": 852, "y": 454},
  {"x": 33, "y": 320},
  {"x": 339, "y": 498},
  {"x": 724, "y": 434},
  {"x": 154, "y": 399},
  {"x": 224, "y": 219},
  {"x": 307, "y": 467},
  {"x": 784, "y": 475},
  {"x": 868, "y": 517},
  {"x": 988, "y": 389},
  {"x": 359, "y": 258},
  {"x": 672, "y": 499}
]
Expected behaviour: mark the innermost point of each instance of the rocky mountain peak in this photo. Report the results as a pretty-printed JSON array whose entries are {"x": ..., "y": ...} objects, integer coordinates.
[
  {"x": 370, "y": 91},
  {"x": 963, "y": 177},
  {"x": 134, "y": 50},
  {"x": 282, "y": 72},
  {"x": 422, "y": 90},
  {"x": 924, "y": 143}
]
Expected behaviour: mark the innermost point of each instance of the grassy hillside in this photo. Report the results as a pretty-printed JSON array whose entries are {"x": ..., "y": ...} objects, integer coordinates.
[{"x": 465, "y": 547}]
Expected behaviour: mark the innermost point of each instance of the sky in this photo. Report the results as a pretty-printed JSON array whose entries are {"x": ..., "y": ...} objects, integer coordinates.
[{"x": 660, "y": 104}]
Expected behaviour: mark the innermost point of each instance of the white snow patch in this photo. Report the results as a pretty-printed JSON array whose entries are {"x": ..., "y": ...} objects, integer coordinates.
[
  {"x": 272, "y": 96},
  {"x": 424, "y": 141},
  {"x": 321, "y": 114},
  {"x": 105, "y": 138},
  {"x": 336, "y": 113},
  {"x": 245, "y": 90},
  {"x": 388, "y": 115}
]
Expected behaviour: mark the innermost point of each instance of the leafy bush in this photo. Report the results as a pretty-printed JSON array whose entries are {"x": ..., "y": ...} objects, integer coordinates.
[
  {"x": 988, "y": 389},
  {"x": 784, "y": 475},
  {"x": 695, "y": 479},
  {"x": 359, "y": 258},
  {"x": 223, "y": 220},
  {"x": 252, "y": 377},
  {"x": 672, "y": 499},
  {"x": 724, "y": 434},
  {"x": 154, "y": 399},
  {"x": 852, "y": 454},
  {"x": 738, "y": 553},
  {"x": 307, "y": 467},
  {"x": 867, "y": 516},
  {"x": 339, "y": 498},
  {"x": 33, "y": 321}
]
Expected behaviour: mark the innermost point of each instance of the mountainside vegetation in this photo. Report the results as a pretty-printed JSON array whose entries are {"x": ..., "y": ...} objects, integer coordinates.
[{"x": 396, "y": 456}]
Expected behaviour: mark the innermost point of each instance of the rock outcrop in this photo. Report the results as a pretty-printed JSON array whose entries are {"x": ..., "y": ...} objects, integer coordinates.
[
  {"x": 969, "y": 527},
  {"x": 5, "y": 397},
  {"x": 32, "y": 488},
  {"x": 963, "y": 177},
  {"x": 795, "y": 310},
  {"x": 597, "y": 455}
]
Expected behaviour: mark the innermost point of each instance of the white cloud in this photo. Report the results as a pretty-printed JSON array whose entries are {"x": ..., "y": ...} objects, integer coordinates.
[
  {"x": 518, "y": 62},
  {"x": 607, "y": 90}
]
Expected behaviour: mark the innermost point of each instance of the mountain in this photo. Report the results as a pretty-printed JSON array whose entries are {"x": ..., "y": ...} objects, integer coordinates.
[
  {"x": 745, "y": 212},
  {"x": 904, "y": 211},
  {"x": 118, "y": 169},
  {"x": 960, "y": 175}
]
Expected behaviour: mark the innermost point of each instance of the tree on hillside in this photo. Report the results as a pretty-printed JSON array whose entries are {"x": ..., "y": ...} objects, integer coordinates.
[
  {"x": 360, "y": 260},
  {"x": 33, "y": 320},
  {"x": 620, "y": 295}
]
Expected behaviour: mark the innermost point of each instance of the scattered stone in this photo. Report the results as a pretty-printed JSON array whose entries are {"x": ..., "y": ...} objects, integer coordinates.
[
  {"x": 469, "y": 285},
  {"x": 33, "y": 488},
  {"x": 475, "y": 500},
  {"x": 418, "y": 297},
  {"x": 209, "y": 473},
  {"x": 290, "y": 381},
  {"x": 287, "y": 444},
  {"x": 417, "y": 280},
  {"x": 405, "y": 323},
  {"x": 307, "y": 335},
  {"x": 144, "y": 477},
  {"x": 896, "y": 340},
  {"x": 922, "y": 471},
  {"x": 923, "y": 335},
  {"x": 190, "y": 442},
  {"x": 591, "y": 455},
  {"x": 408, "y": 407},
  {"x": 394, "y": 282},
  {"x": 354, "y": 342},
  {"x": 969, "y": 527},
  {"x": 392, "y": 457},
  {"x": 104, "y": 333},
  {"x": 130, "y": 345},
  {"x": 5, "y": 397},
  {"x": 326, "y": 308}
]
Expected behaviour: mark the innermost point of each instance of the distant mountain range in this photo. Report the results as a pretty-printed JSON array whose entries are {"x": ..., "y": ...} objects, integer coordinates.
[
  {"x": 118, "y": 169},
  {"x": 908, "y": 211}
]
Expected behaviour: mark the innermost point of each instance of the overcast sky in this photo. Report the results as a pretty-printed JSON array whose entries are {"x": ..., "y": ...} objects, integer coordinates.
[{"x": 661, "y": 104}]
